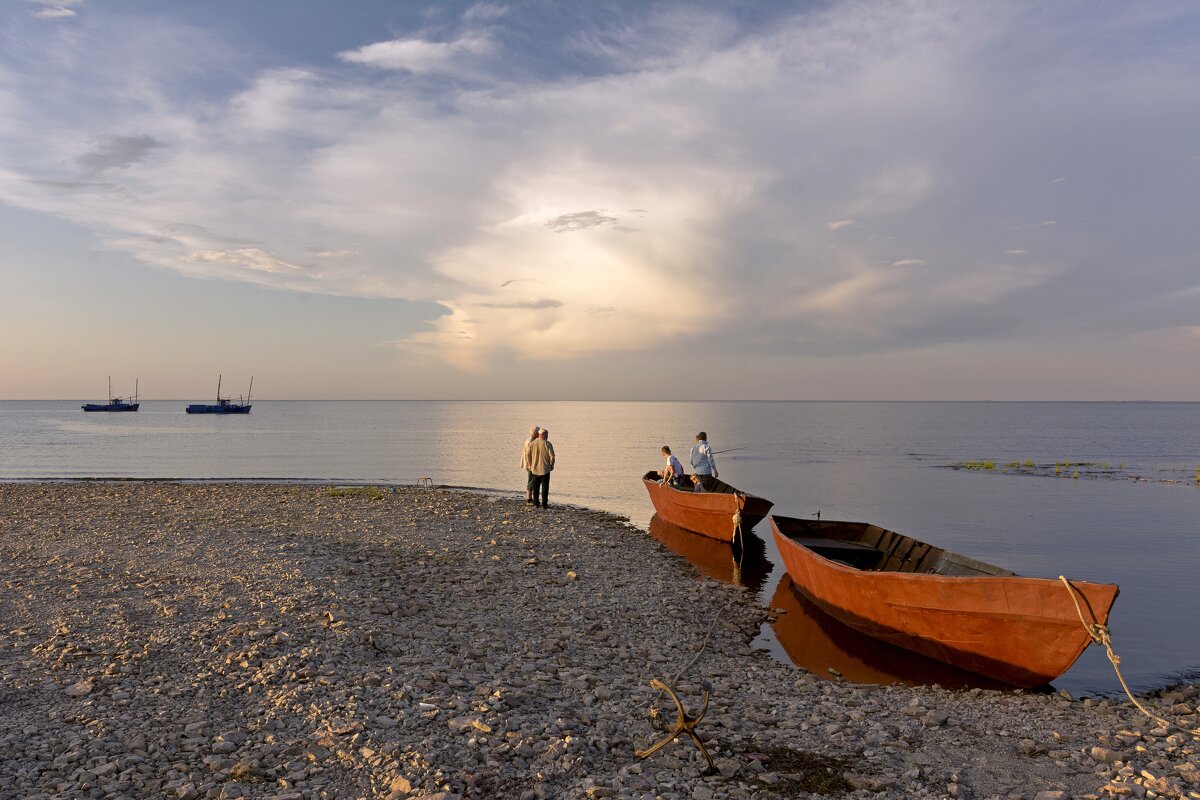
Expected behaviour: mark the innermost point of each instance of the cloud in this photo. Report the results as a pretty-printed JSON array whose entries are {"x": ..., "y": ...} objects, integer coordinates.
[
  {"x": 419, "y": 55},
  {"x": 580, "y": 220},
  {"x": 466, "y": 162},
  {"x": 526, "y": 304},
  {"x": 117, "y": 152},
  {"x": 54, "y": 9},
  {"x": 251, "y": 258},
  {"x": 486, "y": 12}
]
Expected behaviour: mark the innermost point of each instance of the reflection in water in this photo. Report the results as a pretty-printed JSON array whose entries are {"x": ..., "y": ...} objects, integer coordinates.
[
  {"x": 816, "y": 641},
  {"x": 745, "y": 566}
]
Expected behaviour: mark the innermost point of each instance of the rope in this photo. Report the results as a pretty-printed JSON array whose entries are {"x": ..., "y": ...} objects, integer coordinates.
[
  {"x": 687, "y": 723},
  {"x": 1100, "y": 634},
  {"x": 703, "y": 645},
  {"x": 739, "y": 542}
]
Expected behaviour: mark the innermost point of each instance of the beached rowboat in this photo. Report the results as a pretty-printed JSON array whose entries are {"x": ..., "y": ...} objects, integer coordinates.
[
  {"x": 717, "y": 513},
  {"x": 1021, "y": 631}
]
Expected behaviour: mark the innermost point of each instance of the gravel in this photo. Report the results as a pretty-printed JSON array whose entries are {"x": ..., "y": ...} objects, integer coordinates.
[{"x": 241, "y": 640}]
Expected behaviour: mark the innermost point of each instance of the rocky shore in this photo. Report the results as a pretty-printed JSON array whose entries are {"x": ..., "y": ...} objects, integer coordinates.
[{"x": 224, "y": 641}]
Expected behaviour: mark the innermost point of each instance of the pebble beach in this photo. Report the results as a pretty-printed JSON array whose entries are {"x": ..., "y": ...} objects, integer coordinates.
[{"x": 189, "y": 641}]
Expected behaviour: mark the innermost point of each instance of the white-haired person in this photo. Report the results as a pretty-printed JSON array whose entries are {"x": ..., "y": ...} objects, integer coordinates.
[
  {"x": 541, "y": 463},
  {"x": 533, "y": 435}
]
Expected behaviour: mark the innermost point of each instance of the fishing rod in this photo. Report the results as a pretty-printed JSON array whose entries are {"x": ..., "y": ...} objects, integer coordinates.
[{"x": 730, "y": 450}]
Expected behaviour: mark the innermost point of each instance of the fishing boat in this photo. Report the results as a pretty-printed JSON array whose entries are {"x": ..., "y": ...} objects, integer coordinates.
[
  {"x": 115, "y": 403},
  {"x": 718, "y": 512},
  {"x": 224, "y": 405},
  {"x": 1023, "y": 632}
]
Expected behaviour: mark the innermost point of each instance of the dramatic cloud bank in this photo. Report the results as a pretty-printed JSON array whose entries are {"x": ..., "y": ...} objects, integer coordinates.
[{"x": 853, "y": 178}]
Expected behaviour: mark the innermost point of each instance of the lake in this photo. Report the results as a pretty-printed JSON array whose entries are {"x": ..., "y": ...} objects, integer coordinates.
[{"x": 1131, "y": 517}]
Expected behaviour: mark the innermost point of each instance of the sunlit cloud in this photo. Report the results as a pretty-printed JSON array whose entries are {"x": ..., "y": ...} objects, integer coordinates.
[
  {"x": 54, "y": 9},
  {"x": 838, "y": 224},
  {"x": 249, "y": 257},
  {"x": 908, "y": 262},
  {"x": 418, "y": 55}
]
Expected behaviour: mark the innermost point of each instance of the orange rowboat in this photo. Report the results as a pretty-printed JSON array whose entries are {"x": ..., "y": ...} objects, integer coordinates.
[
  {"x": 717, "y": 513},
  {"x": 1021, "y": 631}
]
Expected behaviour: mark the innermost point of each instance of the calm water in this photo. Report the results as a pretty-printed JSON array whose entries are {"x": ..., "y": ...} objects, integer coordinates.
[{"x": 882, "y": 462}]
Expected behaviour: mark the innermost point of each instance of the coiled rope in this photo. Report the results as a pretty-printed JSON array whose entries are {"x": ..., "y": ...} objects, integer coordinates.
[{"x": 1100, "y": 634}]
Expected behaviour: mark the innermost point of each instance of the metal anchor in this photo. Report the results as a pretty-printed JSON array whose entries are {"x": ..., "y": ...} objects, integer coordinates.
[{"x": 684, "y": 724}]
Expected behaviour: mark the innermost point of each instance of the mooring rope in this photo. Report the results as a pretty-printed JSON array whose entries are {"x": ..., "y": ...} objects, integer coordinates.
[
  {"x": 1100, "y": 634},
  {"x": 687, "y": 723}
]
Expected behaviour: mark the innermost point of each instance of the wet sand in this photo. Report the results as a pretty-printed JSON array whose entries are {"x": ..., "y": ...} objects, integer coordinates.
[{"x": 219, "y": 641}]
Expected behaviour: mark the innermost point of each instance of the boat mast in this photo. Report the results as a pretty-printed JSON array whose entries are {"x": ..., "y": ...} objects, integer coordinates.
[
  {"x": 135, "y": 389},
  {"x": 110, "y": 389},
  {"x": 250, "y": 390},
  {"x": 218, "y": 389}
]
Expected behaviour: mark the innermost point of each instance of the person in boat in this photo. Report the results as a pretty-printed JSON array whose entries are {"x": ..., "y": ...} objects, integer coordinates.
[
  {"x": 541, "y": 463},
  {"x": 673, "y": 474},
  {"x": 704, "y": 463},
  {"x": 533, "y": 435},
  {"x": 697, "y": 483}
]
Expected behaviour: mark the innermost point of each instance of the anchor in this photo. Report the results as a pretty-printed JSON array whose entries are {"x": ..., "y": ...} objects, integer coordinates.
[{"x": 684, "y": 724}]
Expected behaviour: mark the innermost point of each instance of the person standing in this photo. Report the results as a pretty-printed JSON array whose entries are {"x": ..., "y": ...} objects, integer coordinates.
[
  {"x": 704, "y": 464},
  {"x": 541, "y": 462},
  {"x": 533, "y": 435}
]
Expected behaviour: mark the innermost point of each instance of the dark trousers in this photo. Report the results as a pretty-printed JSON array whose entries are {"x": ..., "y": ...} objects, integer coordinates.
[
  {"x": 541, "y": 485},
  {"x": 529, "y": 482}
]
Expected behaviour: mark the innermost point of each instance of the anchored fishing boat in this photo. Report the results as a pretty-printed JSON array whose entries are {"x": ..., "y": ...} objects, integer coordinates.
[
  {"x": 224, "y": 405},
  {"x": 718, "y": 512},
  {"x": 115, "y": 403},
  {"x": 1021, "y": 631}
]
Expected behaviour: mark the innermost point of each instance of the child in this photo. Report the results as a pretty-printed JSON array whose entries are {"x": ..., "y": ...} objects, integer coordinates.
[
  {"x": 697, "y": 483},
  {"x": 673, "y": 474}
]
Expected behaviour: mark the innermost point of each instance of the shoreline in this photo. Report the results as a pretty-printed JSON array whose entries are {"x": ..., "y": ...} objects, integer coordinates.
[{"x": 240, "y": 639}]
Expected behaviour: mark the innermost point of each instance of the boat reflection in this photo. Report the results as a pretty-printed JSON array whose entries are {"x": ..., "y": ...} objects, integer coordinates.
[
  {"x": 812, "y": 639},
  {"x": 746, "y": 565}
]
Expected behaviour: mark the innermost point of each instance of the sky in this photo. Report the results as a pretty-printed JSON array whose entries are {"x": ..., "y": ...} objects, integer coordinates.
[{"x": 609, "y": 201}]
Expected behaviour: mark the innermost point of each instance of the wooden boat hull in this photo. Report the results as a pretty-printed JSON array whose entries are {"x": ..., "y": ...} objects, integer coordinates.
[
  {"x": 1021, "y": 631},
  {"x": 717, "y": 514},
  {"x": 829, "y": 648}
]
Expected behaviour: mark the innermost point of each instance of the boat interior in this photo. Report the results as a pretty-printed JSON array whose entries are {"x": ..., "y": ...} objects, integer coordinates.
[
  {"x": 716, "y": 485},
  {"x": 864, "y": 546}
]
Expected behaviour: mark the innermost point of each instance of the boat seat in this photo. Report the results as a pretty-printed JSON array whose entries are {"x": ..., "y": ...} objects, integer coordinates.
[{"x": 853, "y": 554}]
